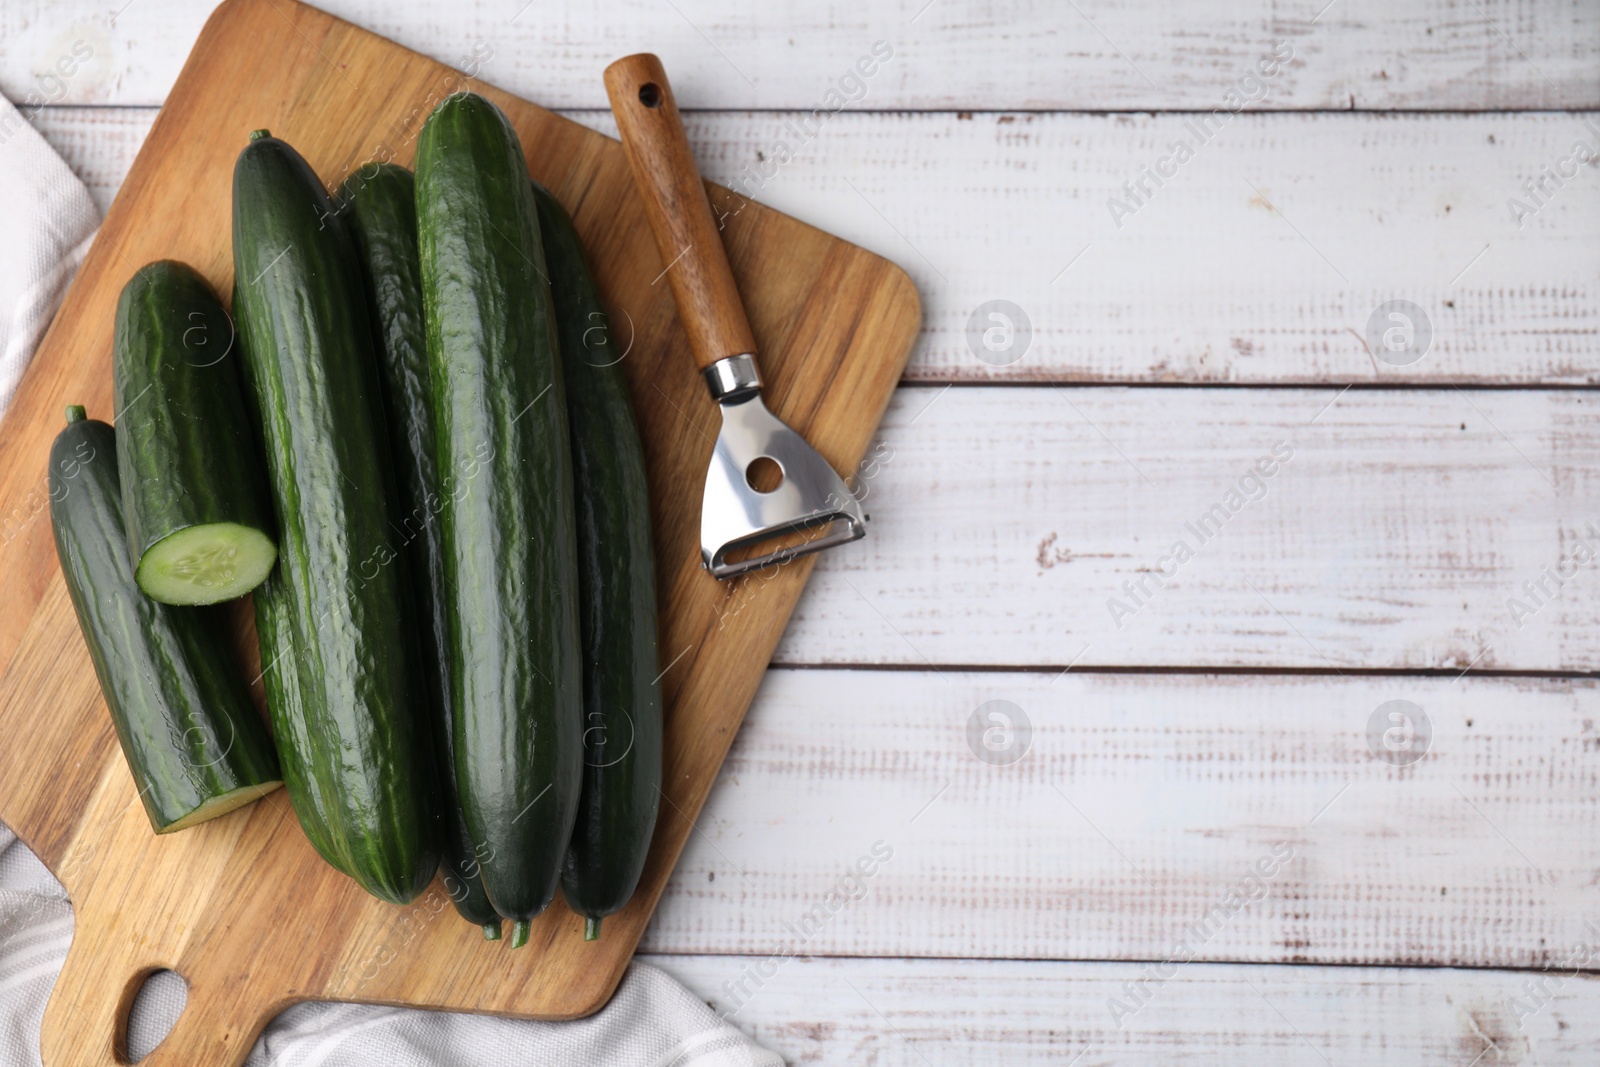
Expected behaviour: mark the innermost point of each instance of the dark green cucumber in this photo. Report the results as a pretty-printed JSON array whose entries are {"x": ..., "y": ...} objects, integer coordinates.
[
  {"x": 199, "y": 522},
  {"x": 380, "y": 203},
  {"x": 333, "y": 615},
  {"x": 280, "y": 679},
  {"x": 617, "y": 592},
  {"x": 192, "y": 737},
  {"x": 502, "y": 447}
]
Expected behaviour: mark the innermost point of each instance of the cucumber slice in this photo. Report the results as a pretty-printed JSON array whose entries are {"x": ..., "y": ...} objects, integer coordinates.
[{"x": 205, "y": 564}]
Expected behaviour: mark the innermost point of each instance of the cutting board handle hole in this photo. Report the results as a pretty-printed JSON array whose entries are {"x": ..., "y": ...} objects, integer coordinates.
[
  {"x": 153, "y": 1001},
  {"x": 650, "y": 94}
]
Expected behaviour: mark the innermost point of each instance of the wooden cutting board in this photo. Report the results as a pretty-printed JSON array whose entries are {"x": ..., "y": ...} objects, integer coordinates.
[{"x": 242, "y": 907}]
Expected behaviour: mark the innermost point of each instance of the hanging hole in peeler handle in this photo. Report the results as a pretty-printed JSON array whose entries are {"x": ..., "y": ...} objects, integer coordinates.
[{"x": 675, "y": 204}]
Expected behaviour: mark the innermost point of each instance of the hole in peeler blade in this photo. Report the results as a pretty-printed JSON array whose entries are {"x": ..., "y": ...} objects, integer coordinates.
[
  {"x": 764, "y": 474},
  {"x": 650, "y": 94}
]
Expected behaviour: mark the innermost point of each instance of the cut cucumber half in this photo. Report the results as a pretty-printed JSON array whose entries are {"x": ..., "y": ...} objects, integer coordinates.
[
  {"x": 221, "y": 805},
  {"x": 189, "y": 461},
  {"x": 206, "y": 564},
  {"x": 193, "y": 740}
]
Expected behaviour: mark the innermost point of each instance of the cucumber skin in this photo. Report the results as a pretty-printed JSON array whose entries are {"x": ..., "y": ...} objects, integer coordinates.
[
  {"x": 333, "y": 615},
  {"x": 617, "y": 588},
  {"x": 380, "y": 202},
  {"x": 182, "y": 711},
  {"x": 510, "y": 554},
  {"x": 280, "y": 680},
  {"x": 183, "y": 421}
]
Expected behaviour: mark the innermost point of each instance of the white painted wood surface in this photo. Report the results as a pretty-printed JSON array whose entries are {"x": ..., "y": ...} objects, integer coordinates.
[
  {"x": 1206, "y": 282},
  {"x": 1006, "y": 522},
  {"x": 1121, "y": 809},
  {"x": 1131, "y": 55},
  {"x": 922, "y": 1013},
  {"x": 1007, "y": 510},
  {"x": 1261, "y": 259}
]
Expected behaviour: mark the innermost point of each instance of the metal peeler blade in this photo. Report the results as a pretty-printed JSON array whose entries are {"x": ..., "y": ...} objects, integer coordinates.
[{"x": 735, "y": 515}]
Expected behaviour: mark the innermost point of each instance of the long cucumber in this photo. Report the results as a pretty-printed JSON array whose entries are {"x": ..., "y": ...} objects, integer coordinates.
[
  {"x": 510, "y": 555},
  {"x": 617, "y": 583},
  {"x": 380, "y": 202},
  {"x": 333, "y": 614}
]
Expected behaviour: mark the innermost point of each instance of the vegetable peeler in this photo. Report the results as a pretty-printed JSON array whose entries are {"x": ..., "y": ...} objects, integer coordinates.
[{"x": 735, "y": 515}]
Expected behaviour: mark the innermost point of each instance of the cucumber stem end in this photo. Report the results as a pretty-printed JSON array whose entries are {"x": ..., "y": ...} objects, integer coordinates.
[
  {"x": 491, "y": 931},
  {"x": 256, "y": 135},
  {"x": 75, "y": 413},
  {"x": 591, "y": 928},
  {"x": 519, "y": 932}
]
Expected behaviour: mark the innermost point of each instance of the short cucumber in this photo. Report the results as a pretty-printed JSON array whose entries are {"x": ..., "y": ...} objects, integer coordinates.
[
  {"x": 195, "y": 498},
  {"x": 379, "y": 200},
  {"x": 502, "y": 447},
  {"x": 617, "y": 585},
  {"x": 333, "y": 615},
  {"x": 192, "y": 737}
]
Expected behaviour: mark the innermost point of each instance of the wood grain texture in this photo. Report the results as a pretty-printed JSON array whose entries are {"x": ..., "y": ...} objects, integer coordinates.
[
  {"x": 1038, "y": 526},
  {"x": 1205, "y": 283},
  {"x": 1130, "y": 55},
  {"x": 241, "y": 907},
  {"x": 1134, "y": 805},
  {"x": 688, "y": 235},
  {"x": 914, "y": 1013}
]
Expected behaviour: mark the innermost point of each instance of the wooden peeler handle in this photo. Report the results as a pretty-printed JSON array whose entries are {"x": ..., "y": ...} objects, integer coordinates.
[{"x": 680, "y": 213}]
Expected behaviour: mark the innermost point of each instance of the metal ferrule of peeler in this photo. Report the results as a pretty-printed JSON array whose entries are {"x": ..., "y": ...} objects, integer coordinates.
[{"x": 733, "y": 378}]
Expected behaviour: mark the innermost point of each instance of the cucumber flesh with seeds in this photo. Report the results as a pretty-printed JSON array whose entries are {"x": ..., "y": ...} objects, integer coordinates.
[
  {"x": 379, "y": 201},
  {"x": 199, "y": 522},
  {"x": 206, "y": 564},
  {"x": 617, "y": 584},
  {"x": 192, "y": 737}
]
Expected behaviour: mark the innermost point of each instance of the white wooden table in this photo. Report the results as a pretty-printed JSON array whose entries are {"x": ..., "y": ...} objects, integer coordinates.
[{"x": 1201, "y": 846}]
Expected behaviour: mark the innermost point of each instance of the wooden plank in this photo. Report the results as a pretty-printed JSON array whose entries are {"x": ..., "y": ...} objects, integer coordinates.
[
  {"x": 1133, "y": 805},
  {"x": 1109, "y": 55},
  {"x": 1204, "y": 283},
  {"x": 1262, "y": 259},
  {"x": 1041, "y": 526},
  {"x": 914, "y": 1013}
]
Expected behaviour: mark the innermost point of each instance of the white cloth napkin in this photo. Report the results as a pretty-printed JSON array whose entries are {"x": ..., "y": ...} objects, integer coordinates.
[{"x": 48, "y": 220}]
